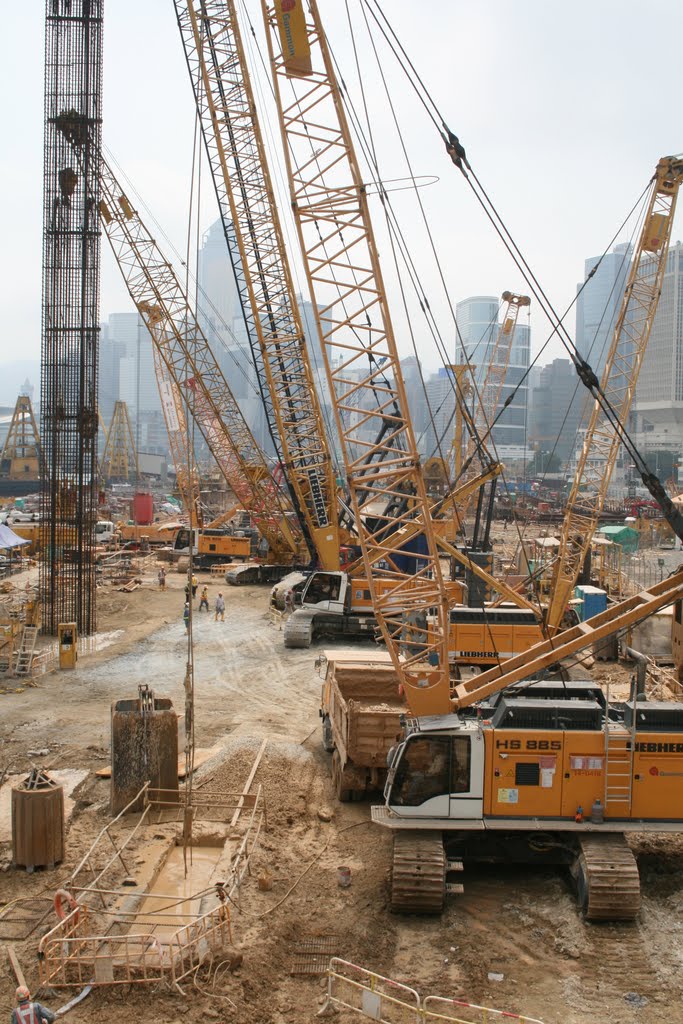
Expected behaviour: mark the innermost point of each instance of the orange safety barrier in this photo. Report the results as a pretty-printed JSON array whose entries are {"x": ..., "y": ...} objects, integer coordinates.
[{"x": 375, "y": 997}]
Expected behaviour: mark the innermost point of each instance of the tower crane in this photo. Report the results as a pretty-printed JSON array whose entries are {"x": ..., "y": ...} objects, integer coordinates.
[
  {"x": 236, "y": 152},
  {"x": 459, "y": 784},
  {"x": 604, "y": 431}
]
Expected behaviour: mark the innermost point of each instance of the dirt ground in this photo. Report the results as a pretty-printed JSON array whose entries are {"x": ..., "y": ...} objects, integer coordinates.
[{"x": 517, "y": 924}]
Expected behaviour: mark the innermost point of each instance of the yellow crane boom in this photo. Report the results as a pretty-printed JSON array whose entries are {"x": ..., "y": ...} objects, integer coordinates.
[
  {"x": 163, "y": 305},
  {"x": 330, "y": 206},
  {"x": 232, "y": 133},
  {"x": 622, "y": 366}
]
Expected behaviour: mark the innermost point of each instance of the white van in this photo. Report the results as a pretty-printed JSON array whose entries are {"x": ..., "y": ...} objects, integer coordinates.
[{"x": 104, "y": 531}]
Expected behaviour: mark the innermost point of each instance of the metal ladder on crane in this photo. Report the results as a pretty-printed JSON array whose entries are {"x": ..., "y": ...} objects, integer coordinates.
[
  {"x": 26, "y": 651},
  {"x": 619, "y": 753}
]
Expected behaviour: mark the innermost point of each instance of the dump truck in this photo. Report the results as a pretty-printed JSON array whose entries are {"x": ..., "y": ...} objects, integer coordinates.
[{"x": 361, "y": 713}]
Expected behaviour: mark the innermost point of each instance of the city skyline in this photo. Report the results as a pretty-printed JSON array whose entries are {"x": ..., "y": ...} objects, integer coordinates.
[{"x": 549, "y": 186}]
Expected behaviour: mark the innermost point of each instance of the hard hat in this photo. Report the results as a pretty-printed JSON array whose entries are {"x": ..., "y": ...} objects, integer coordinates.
[{"x": 22, "y": 994}]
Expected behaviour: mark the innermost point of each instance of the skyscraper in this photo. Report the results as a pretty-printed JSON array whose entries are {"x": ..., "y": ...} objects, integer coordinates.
[
  {"x": 558, "y": 400},
  {"x": 218, "y": 301},
  {"x": 110, "y": 356},
  {"x": 598, "y": 302},
  {"x": 129, "y": 358},
  {"x": 437, "y": 436},
  {"x": 659, "y": 392}
]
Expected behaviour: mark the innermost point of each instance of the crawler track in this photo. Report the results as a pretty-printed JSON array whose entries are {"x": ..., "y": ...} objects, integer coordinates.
[
  {"x": 607, "y": 879},
  {"x": 418, "y": 873},
  {"x": 299, "y": 629}
]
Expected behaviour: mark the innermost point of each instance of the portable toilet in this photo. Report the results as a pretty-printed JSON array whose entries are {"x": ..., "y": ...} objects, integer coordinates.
[{"x": 593, "y": 601}]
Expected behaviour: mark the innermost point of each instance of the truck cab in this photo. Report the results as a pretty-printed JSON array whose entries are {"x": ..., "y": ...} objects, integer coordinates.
[{"x": 104, "y": 531}]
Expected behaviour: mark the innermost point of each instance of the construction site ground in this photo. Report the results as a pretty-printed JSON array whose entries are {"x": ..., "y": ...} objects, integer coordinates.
[{"x": 513, "y": 941}]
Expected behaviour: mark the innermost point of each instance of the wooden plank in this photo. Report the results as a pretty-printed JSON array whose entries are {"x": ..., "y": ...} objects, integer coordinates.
[
  {"x": 247, "y": 784},
  {"x": 16, "y": 966},
  {"x": 201, "y": 756}
]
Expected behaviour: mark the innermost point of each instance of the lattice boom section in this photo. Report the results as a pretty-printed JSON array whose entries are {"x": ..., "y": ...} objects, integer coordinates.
[
  {"x": 619, "y": 379},
  {"x": 330, "y": 207},
  {"x": 161, "y": 300},
  {"x": 225, "y": 101}
]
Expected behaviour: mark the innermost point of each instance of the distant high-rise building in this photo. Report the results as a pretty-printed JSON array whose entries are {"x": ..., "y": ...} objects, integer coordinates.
[
  {"x": 127, "y": 374},
  {"x": 556, "y": 408},
  {"x": 137, "y": 377},
  {"x": 218, "y": 303},
  {"x": 477, "y": 320},
  {"x": 598, "y": 302},
  {"x": 659, "y": 392},
  {"x": 436, "y": 436},
  {"x": 110, "y": 355},
  {"x": 417, "y": 407}
]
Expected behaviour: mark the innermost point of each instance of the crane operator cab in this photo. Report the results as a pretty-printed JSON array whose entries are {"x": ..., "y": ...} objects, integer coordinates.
[
  {"x": 326, "y": 591},
  {"x": 438, "y": 772}
]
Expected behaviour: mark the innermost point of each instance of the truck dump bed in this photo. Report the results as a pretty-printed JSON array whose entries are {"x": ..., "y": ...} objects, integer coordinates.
[{"x": 360, "y": 695}]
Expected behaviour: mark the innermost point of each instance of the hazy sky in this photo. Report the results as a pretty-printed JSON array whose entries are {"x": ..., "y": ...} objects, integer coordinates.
[{"x": 564, "y": 110}]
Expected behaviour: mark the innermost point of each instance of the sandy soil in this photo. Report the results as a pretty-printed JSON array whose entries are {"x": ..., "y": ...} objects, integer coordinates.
[{"x": 518, "y": 923}]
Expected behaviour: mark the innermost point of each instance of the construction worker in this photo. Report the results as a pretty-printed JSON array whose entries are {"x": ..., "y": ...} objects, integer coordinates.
[
  {"x": 186, "y": 615},
  {"x": 220, "y": 607},
  {"x": 204, "y": 599},
  {"x": 195, "y": 584},
  {"x": 162, "y": 578},
  {"x": 27, "y": 1012},
  {"x": 289, "y": 601}
]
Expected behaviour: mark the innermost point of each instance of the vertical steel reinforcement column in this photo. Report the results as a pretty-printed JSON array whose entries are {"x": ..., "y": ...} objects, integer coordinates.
[{"x": 71, "y": 261}]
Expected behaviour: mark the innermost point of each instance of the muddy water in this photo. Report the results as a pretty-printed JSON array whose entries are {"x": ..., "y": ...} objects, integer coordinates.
[{"x": 172, "y": 884}]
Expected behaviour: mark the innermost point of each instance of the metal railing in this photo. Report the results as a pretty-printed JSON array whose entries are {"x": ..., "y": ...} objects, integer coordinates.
[
  {"x": 375, "y": 997},
  {"x": 439, "y": 1008},
  {"x": 70, "y": 957},
  {"x": 371, "y": 995},
  {"x": 73, "y": 953}
]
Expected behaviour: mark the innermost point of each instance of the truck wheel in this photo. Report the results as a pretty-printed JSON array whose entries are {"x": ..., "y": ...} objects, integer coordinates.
[
  {"x": 344, "y": 795},
  {"x": 328, "y": 740}
]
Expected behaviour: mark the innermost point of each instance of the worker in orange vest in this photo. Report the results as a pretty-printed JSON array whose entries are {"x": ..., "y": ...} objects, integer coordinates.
[{"x": 27, "y": 1012}]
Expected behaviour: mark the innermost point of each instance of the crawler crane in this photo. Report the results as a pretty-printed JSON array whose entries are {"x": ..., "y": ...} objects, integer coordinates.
[
  {"x": 193, "y": 370},
  {"x": 547, "y": 768},
  {"x": 333, "y": 601},
  {"x": 236, "y": 154},
  {"x": 160, "y": 300}
]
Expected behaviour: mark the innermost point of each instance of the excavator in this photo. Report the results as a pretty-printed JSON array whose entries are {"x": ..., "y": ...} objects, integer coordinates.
[{"x": 497, "y": 765}]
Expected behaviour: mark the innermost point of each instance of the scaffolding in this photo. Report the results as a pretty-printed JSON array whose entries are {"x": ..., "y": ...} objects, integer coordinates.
[{"x": 71, "y": 253}]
